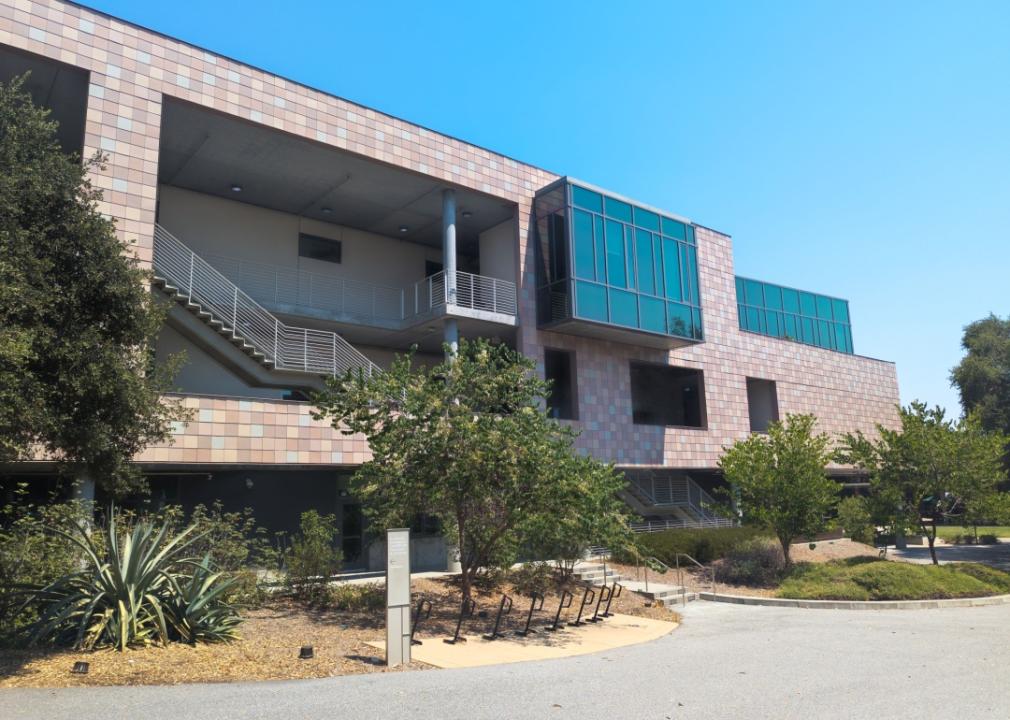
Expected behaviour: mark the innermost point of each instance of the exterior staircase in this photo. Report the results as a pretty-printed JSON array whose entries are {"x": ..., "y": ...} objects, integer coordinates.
[
  {"x": 662, "y": 593},
  {"x": 224, "y": 307},
  {"x": 671, "y": 501}
]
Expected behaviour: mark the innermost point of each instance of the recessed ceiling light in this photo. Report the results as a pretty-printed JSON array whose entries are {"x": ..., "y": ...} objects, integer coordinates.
[
  {"x": 327, "y": 211},
  {"x": 236, "y": 188},
  {"x": 404, "y": 228},
  {"x": 467, "y": 214}
]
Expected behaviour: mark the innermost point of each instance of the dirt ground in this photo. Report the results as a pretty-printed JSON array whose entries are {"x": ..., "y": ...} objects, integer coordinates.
[
  {"x": 272, "y": 636},
  {"x": 696, "y": 580}
]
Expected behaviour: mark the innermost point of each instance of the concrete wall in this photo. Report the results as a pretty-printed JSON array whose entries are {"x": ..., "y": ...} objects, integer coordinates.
[
  {"x": 762, "y": 403},
  {"x": 498, "y": 252},
  {"x": 227, "y": 228},
  {"x": 201, "y": 373}
]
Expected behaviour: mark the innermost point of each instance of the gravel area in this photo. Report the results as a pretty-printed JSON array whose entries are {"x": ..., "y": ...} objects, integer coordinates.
[{"x": 272, "y": 636}]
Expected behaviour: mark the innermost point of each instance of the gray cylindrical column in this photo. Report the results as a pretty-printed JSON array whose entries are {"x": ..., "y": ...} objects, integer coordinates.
[
  {"x": 449, "y": 266},
  {"x": 451, "y": 338},
  {"x": 449, "y": 243}
]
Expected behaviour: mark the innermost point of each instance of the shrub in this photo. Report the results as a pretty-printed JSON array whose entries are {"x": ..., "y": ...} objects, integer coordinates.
[
  {"x": 757, "y": 562},
  {"x": 703, "y": 545},
  {"x": 874, "y": 579},
  {"x": 534, "y": 577},
  {"x": 855, "y": 519},
  {"x": 313, "y": 559},
  {"x": 988, "y": 539},
  {"x": 367, "y": 597},
  {"x": 31, "y": 555},
  {"x": 133, "y": 590}
]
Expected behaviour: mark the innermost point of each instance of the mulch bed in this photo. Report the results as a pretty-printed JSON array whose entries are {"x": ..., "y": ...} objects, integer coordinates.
[{"x": 272, "y": 636}]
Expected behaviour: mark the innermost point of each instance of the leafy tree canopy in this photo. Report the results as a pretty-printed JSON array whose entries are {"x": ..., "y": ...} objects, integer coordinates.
[
  {"x": 468, "y": 442},
  {"x": 983, "y": 375},
  {"x": 778, "y": 481},
  {"x": 77, "y": 321},
  {"x": 931, "y": 469}
]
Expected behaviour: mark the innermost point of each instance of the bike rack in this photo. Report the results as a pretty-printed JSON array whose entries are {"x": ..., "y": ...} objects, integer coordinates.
[
  {"x": 466, "y": 609},
  {"x": 587, "y": 598},
  {"x": 615, "y": 592},
  {"x": 566, "y": 602},
  {"x": 605, "y": 593},
  {"x": 504, "y": 608},
  {"x": 536, "y": 603},
  {"x": 422, "y": 612}
]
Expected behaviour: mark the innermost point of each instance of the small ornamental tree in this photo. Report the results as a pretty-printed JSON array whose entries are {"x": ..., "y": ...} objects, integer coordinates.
[
  {"x": 77, "y": 318},
  {"x": 982, "y": 378},
  {"x": 468, "y": 442},
  {"x": 930, "y": 470},
  {"x": 778, "y": 481}
]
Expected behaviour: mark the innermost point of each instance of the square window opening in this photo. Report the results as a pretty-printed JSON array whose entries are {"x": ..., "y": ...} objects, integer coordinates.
[{"x": 667, "y": 395}]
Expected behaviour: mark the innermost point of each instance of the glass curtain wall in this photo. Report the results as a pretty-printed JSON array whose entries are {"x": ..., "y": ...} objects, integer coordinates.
[
  {"x": 790, "y": 314},
  {"x": 630, "y": 266}
]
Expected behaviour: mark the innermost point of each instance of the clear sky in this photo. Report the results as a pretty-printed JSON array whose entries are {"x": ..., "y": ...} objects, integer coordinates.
[{"x": 859, "y": 149}]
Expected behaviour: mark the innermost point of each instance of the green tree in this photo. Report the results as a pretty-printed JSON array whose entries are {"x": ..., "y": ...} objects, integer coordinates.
[
  {"x": 778, "y": 481},
  {"x": 77, "y": 320},
  {"x": 983, "y": 375},
  {"x": 468, "y": 442},
  {"x": 930, "y": 470}
]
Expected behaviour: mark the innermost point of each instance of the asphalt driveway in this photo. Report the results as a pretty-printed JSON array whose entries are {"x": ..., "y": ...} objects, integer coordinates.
[
  {"x": 998, "y": 556},
  {"x": 726, "y": 661}
]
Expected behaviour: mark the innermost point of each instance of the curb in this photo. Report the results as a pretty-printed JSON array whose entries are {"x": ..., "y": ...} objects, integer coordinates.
[{"x": 858, "y": 604}]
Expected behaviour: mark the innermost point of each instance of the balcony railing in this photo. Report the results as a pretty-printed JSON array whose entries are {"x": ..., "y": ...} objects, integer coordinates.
[{"x": 362, "y": 301}]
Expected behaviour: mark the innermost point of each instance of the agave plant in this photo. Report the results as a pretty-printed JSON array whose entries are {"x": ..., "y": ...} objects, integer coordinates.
[
  {"x": 197, "y": 611},
  {"x": 127, "y": 589}
]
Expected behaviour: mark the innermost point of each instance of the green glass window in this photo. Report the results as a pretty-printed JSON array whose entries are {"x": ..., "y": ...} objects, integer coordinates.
[
  {"x": 808, "y": 306},
  {"x": 623, "y": 308},
  {"x": 680, "y": 320},
  {"x": 840, "y": 310},
  {"x": 646, "y": 219},
  {"x": 617, "y": 209},
  {"x": 773, "y": 296},
  {"x": 671, "y": 269},
  {"x": 823, "y": 307},
  {"x": 790, "y": 301},
  {"x": 601, "y": 249},
  {"x": 629, "y": 254},
  {"x": 674, "y": 229},
  {"x": 690, "y": 274},
  {"x": 616, "y": 274},
  {"x": 585, "y": 256},
  {"x": 753, "y": 293},
  {"x": 591, "y": 300},
  {"x": 653, "y": 314},
  {"x": 646, "y": 267},
  {"x": 587, "y": 199},
  {"x": 773, "y": 324}
]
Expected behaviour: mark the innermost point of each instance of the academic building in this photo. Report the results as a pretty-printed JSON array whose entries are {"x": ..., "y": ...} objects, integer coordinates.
[{"x": 295, "y": 234}]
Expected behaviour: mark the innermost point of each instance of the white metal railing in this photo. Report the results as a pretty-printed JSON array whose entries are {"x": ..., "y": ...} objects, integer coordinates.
[
  {"x": 289, "y": 348},
  {"x": 366, "y": 301},
  {"x": 647, "y": 526},
  {"x": 681, "y": 492}
]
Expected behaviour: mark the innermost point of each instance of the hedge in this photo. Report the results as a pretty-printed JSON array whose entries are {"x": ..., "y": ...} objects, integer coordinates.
[{"x": 703, "y": 545}]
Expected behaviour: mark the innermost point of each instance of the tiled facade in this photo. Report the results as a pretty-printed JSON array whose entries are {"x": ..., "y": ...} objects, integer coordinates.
[{"x": 131, "y": 69}]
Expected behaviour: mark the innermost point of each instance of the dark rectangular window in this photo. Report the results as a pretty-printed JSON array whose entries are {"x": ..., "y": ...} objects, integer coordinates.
[
  {"x": 762, "y": 404},
  {"x": 559, "y": 369},
  {"x": 318, "y": 248},
  {"x": 666, "y": 395}
]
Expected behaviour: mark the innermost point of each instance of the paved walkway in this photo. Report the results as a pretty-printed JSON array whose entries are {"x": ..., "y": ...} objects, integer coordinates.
[
  {"x": 725, "y": 661},
  {"x": 998, "y": 556}
]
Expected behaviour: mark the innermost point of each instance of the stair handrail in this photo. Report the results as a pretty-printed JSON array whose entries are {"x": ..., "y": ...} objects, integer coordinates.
[
  {"x": 680, "y": 575},
  {"x": 205, "y": 284}
]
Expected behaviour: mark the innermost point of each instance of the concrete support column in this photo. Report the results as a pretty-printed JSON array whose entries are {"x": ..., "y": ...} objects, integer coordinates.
[{"x": 449, "y": 265}]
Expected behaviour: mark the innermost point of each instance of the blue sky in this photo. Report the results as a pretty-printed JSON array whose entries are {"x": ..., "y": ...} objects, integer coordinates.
[{"x": 860, "y": 149}]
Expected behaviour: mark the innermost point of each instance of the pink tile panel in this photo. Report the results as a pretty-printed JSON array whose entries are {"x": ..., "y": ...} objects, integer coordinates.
[{"x": 255, "y": 432}]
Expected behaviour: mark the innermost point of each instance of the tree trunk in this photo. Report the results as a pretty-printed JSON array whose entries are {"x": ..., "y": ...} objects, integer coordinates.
[
  {"x": 465, "y": 560},
  {"x": 785, "y": 542},
  {"x": 931, "y": 539}
]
